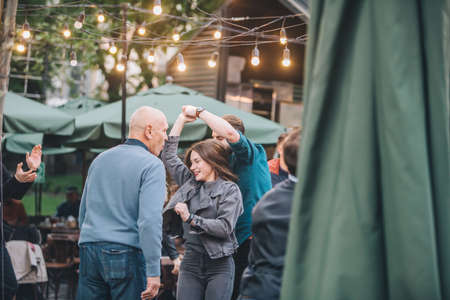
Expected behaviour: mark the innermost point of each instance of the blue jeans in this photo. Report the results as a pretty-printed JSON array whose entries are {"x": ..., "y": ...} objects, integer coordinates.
[
  {"x": 110, "y": 271},
  {"x": 204, "y": 278}
]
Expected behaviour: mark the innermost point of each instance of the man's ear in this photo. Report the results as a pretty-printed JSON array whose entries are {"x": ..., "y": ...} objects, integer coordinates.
[{"x": 148, "y": 131}]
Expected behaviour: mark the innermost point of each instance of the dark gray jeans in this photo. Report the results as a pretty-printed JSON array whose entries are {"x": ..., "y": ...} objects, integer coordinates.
[{"x": 204, "y": 278}]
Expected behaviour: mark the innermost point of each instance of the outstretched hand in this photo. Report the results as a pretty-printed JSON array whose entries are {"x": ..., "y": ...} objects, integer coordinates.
[
  {"x": 34, "y": 159},
  {"x": 21, "y": 176}
]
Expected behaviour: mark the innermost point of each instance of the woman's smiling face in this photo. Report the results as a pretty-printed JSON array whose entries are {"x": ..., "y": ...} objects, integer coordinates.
[{"x": 201, "y": 169}]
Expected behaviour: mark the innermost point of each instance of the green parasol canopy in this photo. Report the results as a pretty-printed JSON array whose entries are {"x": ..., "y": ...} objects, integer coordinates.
[
  {"x": 371, "y": 213},
  {"x": 22, "y": 115},
  {"x": 24, "y": 142},
  {"x": 80, "y": 105},
  {"x": 102, "y": 127}
]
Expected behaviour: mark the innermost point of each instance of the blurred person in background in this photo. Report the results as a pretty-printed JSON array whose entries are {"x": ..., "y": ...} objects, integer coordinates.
[
  {"x": 271, "y": 216},
  {"x": 277, "y": 167}
]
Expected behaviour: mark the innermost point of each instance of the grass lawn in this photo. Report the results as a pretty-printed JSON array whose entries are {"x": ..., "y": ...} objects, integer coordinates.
[
  {"x": 53, "y": 193},
  {"x": 49, "y": 204}
]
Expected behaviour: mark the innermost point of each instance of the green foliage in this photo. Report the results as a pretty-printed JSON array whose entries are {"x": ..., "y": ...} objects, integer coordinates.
[{"x": 52, "y": 50}]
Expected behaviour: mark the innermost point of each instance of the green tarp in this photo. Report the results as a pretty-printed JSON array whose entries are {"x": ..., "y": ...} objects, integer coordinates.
[
  {"x": 371, "y": 212},
  {"x": 22, "y": 115},
  {"x": 101, "y": 127}
]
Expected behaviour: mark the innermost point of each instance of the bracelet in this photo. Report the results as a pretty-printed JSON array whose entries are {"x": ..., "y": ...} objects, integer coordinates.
[{"x": 189, "y": 220}]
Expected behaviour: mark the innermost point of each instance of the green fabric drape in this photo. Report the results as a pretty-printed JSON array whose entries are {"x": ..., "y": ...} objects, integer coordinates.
[{"x": 371, "y": 214}]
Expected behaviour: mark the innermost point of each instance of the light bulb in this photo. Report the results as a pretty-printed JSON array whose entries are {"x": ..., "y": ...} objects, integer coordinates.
[
  {"x": 20, "y": 47},
  {"x": 112, "y": 49},
  {"x": 101, "y": 17},
  {"x": 212, "y": 62},
  {"x": 141, "y": 30},
  {"x": 176, "y": 36},
  {"x": 157, "y": 9},
  {"x": 151, "y": 56},
  {"x": 120, "y": 67},
  {"x": 286, "y": 62},
  {"x": 255, "y": 56},
  {"x": 73, "y": 59},
  {"x": 283, "y": 37},
  {"x": 79, "y": 22},
  {"x": 66, "y": 32},
  {"x": 181, "y": 65},
  {"x": 26, "y": 34},
  {"x": 218, "y": 33}
]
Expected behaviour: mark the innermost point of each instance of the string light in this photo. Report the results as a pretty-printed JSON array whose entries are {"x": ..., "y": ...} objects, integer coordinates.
[
  {"x": 212, "y": 62},
  {"x": 73, "y": 59},
  {"x": 20, "y": 47},
  {"x": 180, "y": 61},
  {"x": 176, "y": 36},
  {"x": 66, "y": 31},
  {"x": 120, "y": 66},
  {"x": 255, "y": 60},
  {"x": 26, "y": 34},
  {"x": 141, "y": 30},
  {"x": 218, "y": 33},
  {"x": 101, "y": 17},
  {"x": 157, "y": 9},
  {"x": 151, "y": 56},
  {"x": 286, "y": 62},
  {"x": 283, "y": 37},
  {"x": 79, "y": 22},
  {"x": 112, "y": 49}
]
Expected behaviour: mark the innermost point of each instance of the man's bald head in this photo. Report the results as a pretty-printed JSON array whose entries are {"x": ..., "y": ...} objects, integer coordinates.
[{"x": 149, "y": 125}]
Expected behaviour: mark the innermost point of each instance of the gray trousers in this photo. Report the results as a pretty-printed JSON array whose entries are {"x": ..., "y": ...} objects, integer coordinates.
[{"x": 203, "y": 278}]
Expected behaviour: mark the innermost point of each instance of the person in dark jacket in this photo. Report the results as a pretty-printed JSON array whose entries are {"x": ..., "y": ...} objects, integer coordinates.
[
  {"x": 262, "y": 278},
  {"x": 209, "y": 204},
  {"x": 71, "y": 206},
  {"x": 15, "y": 187}
]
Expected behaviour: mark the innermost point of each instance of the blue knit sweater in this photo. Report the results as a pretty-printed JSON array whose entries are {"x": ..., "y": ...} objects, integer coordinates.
[{"x": 122, "y": 201}]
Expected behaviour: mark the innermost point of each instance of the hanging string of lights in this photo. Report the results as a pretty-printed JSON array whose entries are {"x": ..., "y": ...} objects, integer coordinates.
[{"x": 236, "y": 37}]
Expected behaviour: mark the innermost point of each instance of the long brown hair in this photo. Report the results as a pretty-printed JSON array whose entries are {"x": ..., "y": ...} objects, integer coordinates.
[{"x": 216, "y": 155}]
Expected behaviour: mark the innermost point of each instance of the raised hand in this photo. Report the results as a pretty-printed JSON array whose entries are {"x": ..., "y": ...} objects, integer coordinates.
[
  {"x": 189, "y": 111},
  {"x": 34, "y": 159},
  {"x": 21, "y": 176}
]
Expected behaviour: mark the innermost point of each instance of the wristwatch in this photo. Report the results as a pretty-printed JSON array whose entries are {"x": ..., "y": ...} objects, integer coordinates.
[{"x": 198, "y": 111}]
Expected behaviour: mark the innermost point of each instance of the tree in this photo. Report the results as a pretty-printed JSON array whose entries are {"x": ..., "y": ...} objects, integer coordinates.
[
  {"x": 52, "y": 50},
  {"x": 6, "y": 40}
]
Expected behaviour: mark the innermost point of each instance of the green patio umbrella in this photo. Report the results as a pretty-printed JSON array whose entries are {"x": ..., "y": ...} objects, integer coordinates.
[
  {"x": 80, "y": 105},
  {"x": 22, "y": 115},
  {"x": 22, "y": 143},
  {"x": 102, "y": 127},
  {"x": 371, "y": 213}
]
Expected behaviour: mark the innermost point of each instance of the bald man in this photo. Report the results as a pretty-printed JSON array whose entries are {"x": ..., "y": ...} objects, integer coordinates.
[{"x": 120, "y": 214}]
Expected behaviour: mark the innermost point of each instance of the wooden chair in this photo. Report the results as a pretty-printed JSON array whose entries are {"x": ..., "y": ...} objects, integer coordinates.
[{"x": 60, "y": 252}]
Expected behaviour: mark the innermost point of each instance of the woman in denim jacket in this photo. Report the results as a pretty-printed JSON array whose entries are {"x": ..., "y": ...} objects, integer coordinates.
[{"x": 209, "y": 204}]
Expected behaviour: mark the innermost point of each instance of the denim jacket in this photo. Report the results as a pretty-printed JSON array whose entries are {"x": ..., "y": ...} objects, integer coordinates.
[{"x": 220, "y": 204}]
